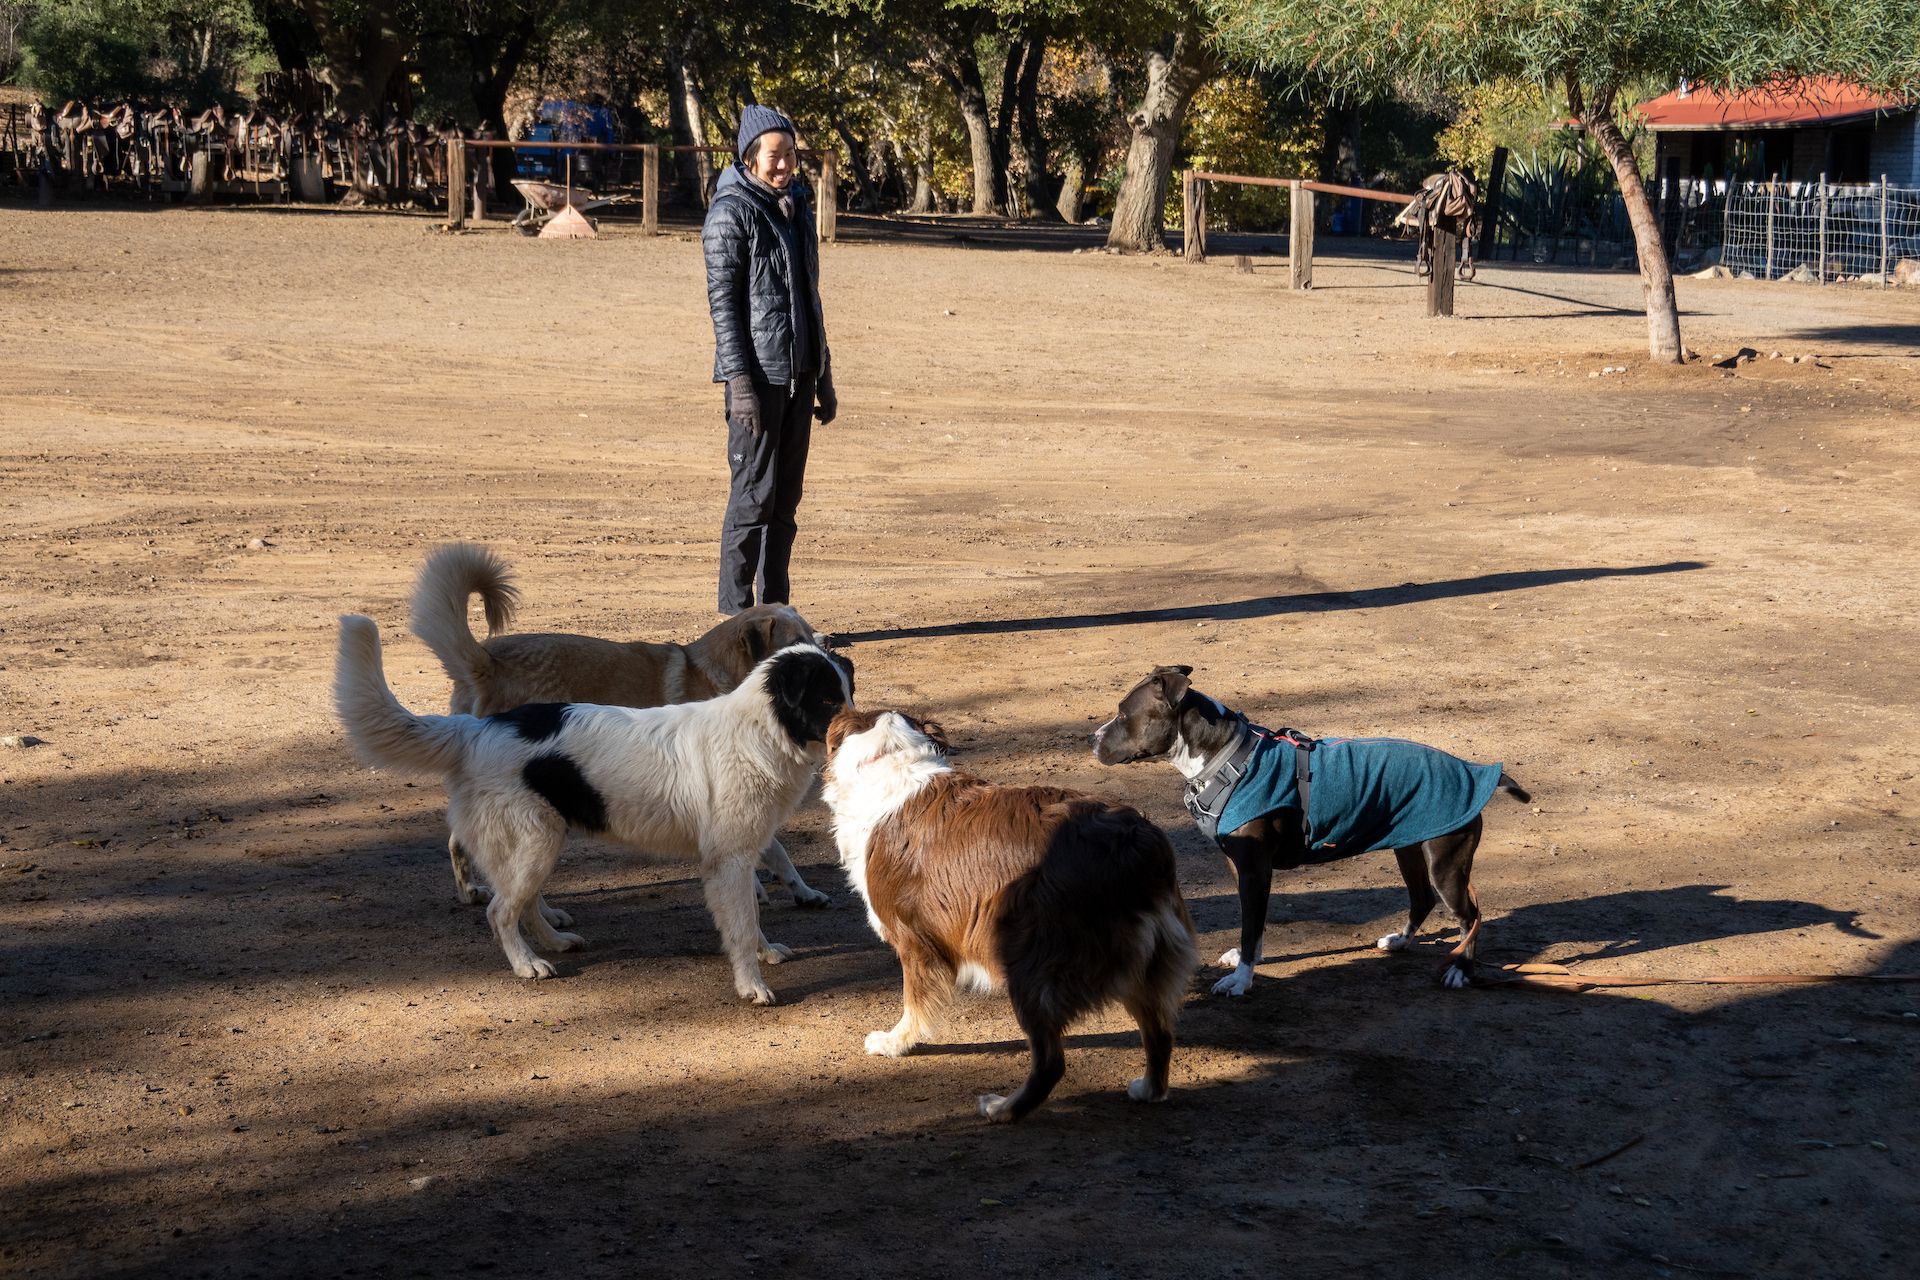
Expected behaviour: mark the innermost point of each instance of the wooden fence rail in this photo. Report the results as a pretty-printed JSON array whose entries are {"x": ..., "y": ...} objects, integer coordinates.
[
  {"x": 1193, "y": 203},
  {"x": 1193, "y": 192},
  {"x": 826, "y": 200}
]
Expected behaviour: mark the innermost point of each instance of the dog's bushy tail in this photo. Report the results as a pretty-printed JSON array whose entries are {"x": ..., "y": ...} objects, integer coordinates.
[
  {"x": 453, "y": 573},
  {"x": 1514, "y": 789},
  {"x": 382, "y": 731}
]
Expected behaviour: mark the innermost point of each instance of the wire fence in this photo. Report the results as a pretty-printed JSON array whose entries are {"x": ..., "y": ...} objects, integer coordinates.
[{"x": 1819, "y": 231}]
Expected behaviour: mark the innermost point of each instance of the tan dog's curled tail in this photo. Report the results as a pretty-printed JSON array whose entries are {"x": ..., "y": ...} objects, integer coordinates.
[
  {"x": 452, "y": 574},
  {"x": 383, "y": 732}
]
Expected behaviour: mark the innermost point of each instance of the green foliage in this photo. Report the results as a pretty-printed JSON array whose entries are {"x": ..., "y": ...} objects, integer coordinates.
[
  {"x": 1516, "y": 114},
  {"x": 1598, "y": 45},
  {"x": 193, "y": 50},
  {"x": 1236, "y": 124}
]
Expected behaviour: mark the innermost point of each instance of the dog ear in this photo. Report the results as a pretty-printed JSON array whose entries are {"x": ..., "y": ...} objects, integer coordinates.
[
  {"x": 787, "y": 681},
  {"x": 759, "y": 639},
  {"x": 845, "y": 664},
  {"x": 1173, "y": 682},
  {"x": 935, "y": 733}
]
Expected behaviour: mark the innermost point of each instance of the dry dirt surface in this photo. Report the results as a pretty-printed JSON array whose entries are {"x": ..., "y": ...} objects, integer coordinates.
[{"x": 246, "y": 1030}]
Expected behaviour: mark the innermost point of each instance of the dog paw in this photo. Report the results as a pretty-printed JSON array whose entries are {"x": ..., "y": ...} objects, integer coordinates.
[
  {"x": 884, "y": 1044},
  {"x": 994, "y": 1109},
  {"x": 775, "y": 953},
  {"x": 1456, "y": 977},
  {"x": 1140, "y": 1090},
  {"x": 555, "y": 917},
  {"x": 1230, "y": 958},
  {"x": 1392, "y": 942},
  {"x": 474, "y": 894},
  {"x": 568, "y": 942},
  {"x": 536, "y": 968},
  {"x": 808, "y": 896},
  {"x": 759, "y": 993},
  {"x": 1237, "y": 983}
]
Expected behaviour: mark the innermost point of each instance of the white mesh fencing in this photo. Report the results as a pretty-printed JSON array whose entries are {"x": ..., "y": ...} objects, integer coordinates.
[{"x": 1817, "y": 231}]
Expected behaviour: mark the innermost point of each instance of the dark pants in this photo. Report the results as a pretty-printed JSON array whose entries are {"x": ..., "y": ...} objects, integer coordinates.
[{"x": 756, "y": 538}]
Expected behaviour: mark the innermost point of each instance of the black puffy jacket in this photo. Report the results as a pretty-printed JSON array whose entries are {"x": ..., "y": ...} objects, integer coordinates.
[{"x": 764, "y": 311}]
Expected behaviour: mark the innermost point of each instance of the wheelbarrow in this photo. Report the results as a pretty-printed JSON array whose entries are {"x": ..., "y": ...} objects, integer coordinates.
[{"x": 548, "y": 202}]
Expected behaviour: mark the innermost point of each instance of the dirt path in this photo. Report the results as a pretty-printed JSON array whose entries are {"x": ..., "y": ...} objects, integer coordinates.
[{"x": 244, "y": 1028}]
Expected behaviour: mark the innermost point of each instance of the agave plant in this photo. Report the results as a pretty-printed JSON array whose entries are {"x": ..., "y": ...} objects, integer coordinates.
[{"x": 1568, "y": 191}]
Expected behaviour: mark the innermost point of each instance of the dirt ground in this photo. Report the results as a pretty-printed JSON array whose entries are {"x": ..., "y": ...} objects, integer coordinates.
[{"x": 246, "y": 1030}]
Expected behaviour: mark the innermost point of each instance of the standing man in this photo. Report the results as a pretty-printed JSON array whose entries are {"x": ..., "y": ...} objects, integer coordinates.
[{"x": 770, "y": 349}]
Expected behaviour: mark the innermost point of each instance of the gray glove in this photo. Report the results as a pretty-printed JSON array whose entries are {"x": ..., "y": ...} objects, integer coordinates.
[{"x": 743, "y": 403}]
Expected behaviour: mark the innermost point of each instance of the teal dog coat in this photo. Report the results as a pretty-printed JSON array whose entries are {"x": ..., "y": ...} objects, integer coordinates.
[{"x": 1362, "y": 793}]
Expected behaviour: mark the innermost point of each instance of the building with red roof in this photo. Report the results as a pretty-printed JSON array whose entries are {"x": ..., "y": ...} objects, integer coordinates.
[{"x": 1821, "y": 126}]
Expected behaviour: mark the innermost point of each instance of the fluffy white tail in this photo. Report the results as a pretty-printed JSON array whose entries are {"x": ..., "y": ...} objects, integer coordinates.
[
  {"x": 451, "y": 574},
  {"x": 382, "y": 731}
]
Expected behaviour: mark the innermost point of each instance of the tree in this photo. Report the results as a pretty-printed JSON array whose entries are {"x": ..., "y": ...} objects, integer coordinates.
[
  {"x": 952, "y": 40},
  {"x": 188, "y": 49},
  {"x": 495, "y": 37},
  {"x": 362, "y": 44},
  {"x": 1594, "y": 51},
  {"x": 13, "y": 16},
  {"x": 1178, "y": 64}
]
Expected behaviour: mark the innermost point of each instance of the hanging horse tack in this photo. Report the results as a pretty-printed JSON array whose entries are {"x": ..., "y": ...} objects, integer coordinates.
[{"x": 1445, "y": 202}]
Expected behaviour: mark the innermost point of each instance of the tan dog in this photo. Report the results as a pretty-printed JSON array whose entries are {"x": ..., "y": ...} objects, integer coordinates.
[{"x": 511, "y": 671}]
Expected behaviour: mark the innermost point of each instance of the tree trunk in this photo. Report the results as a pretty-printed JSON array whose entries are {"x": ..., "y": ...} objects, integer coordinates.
[
  {"x": 923, "y": 193},
  {"x": 859, "y": 166},
  {"x": 1041, "y": 193},
  {"x": 686, "y": 116},
  {"x": 1003, "y": 124},
  {"x": 953, "y": 59},
  {"x": 494, "y": 58},
  {"x": 1071, "y": 188},
  {"x": 361, "y": 55},
  {"x": 1173, "y": 77},
  {"x": 1656, "y": 274}
]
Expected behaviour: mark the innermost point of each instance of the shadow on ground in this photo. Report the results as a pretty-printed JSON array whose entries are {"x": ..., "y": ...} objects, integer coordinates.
[{"x": 1274, "y": 606}]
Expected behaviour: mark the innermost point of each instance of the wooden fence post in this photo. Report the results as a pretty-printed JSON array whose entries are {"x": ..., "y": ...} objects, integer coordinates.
[
  {"x": 1490, "y": 207},
  {"x": 1193, "y": 217},
  {"x": 1300, "y": 237},
  {"x": 1821, "y": 274},
  {"x": 827, "y": 216},
  {"x": 1886, "y": 280},
  {"x": 1200, "y": 215},
  {"x": 1187, "y": 215},
  {"x": 1446, "y": 257},
  {"x": 456, "y": 183},
  {"x": 650, "y": 190},
  {"x": 1773, "y": 187}
]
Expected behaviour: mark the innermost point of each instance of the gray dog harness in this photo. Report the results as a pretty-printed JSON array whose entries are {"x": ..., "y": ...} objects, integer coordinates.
[{"x": 1207, "y": 794}]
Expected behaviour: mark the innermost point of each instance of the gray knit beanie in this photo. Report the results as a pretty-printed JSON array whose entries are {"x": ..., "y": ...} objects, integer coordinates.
[{"x": 756, "y": 120}]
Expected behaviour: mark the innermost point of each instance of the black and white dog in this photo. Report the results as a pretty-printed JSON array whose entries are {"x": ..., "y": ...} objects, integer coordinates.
[
  {"x": 708, "y": 780},
  {"x": 1284, "y": 800}
]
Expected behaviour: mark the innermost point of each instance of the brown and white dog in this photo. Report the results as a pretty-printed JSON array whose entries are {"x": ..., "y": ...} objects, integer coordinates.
[
  {"x": 1066, "y": 903},
  {"x": 511, "y": 671}
]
